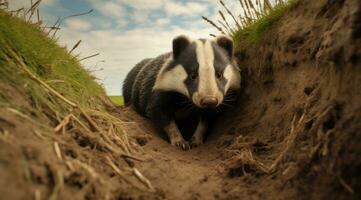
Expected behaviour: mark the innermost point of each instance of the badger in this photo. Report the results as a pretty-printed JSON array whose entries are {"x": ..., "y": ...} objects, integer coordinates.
[{"x": 182, "y": 90}]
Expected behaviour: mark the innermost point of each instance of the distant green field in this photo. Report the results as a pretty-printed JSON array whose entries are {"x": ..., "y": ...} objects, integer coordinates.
[{"x": 118, "y": 100}]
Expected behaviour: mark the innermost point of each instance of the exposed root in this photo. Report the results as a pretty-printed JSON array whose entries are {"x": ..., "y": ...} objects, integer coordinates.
[
  {"x": 58, "y": 151},
  {"x": 143, "y": 179},
  {"x": 132, "y": 157},
  {"x": 135, "y": 172},
  {"x": 321, "y": 118},
  {"x": 243, "y": 154},
  {"x": 63, "y": 123},
  {"x": 37, "y": 195},
  {"x": 115, "y": 127},
  {"x": 118, "y": 141},
  {"x": 245, "y": 158},
  {"x": 102, "y": 141},
  {"x": 4, "y": 136},
  {"x": 345, "y": 185},
  {"x": 87, "y": 168},
  {"x": 119, "y": 172},
  {"x": 70, "y": 165},
  {"x": 289, "y": 141},
  {"x": 91, "y": 122},
  {"x": 39, "y": 135}
]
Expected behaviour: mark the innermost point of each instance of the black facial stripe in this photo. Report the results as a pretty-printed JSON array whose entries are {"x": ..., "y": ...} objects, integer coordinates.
[
  {"x": 221, "y": 83},
  {"x": 188, "y": 59},
  {"x": 221, "y": 61},
  {"x": 192, "y": 85}
]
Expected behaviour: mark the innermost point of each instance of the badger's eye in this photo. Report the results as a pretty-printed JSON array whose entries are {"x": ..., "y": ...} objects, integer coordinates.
[
  {"x": 219, "y": 74},
  {"x": 193, "y": 75}
]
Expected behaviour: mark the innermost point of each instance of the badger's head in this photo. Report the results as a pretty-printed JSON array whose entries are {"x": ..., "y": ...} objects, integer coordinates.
[{"x": 202, "y": 70}]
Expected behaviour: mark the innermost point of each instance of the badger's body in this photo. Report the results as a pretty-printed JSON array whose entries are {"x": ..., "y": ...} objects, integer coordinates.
[{"x": 184, "y": 88}]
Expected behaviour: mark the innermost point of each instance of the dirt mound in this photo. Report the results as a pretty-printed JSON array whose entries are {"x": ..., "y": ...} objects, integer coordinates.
[
  {"x": 293, "y": 136},
  {"x": 302, "y": 102}
]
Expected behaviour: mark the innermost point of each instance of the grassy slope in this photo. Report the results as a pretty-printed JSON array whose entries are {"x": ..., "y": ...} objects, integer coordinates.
[
  {"x": 53, "y": 65},
  {"x": 30, "y": 112},
  {"x": 254, "y": 31},
  {"x": 47, "y": 60}
]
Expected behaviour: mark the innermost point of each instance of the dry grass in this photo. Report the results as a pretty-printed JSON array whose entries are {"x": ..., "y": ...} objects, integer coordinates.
[
  {"x": 243, "y": 155},
  {"x": 249, "y": 25}
]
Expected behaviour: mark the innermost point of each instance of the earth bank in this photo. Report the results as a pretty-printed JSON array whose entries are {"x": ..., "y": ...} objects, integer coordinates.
[{"x": 294, "y": 135}]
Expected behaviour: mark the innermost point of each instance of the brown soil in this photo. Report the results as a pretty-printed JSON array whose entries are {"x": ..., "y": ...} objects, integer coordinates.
[{"x": 295, "y": 135}]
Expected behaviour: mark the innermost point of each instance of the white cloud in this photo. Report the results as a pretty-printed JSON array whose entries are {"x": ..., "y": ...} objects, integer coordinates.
[
  {"x": 174, "y": 8},
  {"x": 49, "y": 2},
  {"x": 78, "y": 24},
  {"x": 140, "y": 17},
  {"x": 144, "y": 4},
  {"x": 197, "y": 8},
  {"x": 109, "y": 8},
  {"x": 121, "y": 23},
  {"x": 16, "y": 4},
  {"x": 162, "y": 22}
]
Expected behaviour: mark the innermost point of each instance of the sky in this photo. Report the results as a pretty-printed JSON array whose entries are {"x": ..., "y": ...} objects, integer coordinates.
[{"x": 125, "y": 32}]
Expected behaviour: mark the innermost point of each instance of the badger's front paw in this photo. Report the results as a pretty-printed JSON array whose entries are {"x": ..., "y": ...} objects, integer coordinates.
[
  {"x": 195, "y": 142},
  {"x": 181, "y": 144}
]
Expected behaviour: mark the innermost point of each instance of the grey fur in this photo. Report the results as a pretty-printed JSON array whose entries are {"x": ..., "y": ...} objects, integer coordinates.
[{"x": 137, "y": 87}]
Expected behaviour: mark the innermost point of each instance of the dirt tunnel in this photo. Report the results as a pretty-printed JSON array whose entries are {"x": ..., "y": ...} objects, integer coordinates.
[{"x": 294, "y": 135}]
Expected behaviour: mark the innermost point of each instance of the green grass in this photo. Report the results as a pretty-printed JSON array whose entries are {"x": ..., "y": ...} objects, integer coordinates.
[
  {"x": 118, "y": 100},
  {"x": 48, "y": 61},
  {"x": 254, "y": 32}
]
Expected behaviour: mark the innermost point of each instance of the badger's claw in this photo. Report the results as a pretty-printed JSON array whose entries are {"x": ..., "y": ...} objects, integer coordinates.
[
  {"x": 175, "y": 136},
  {"x": 195, "y": 142},
  {"x": 183, "y": 145}
]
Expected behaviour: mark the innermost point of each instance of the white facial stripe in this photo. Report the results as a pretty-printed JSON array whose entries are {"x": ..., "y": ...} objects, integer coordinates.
[
  {"x": 172, "y": 80},
  {"x": 207, "y": 80},
  {"x": 207, "y": 85},
  {"x": 233, "y": 78}
]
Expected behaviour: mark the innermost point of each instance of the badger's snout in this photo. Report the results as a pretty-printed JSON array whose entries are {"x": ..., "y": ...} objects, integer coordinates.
[{"x": 209, "y": 101}]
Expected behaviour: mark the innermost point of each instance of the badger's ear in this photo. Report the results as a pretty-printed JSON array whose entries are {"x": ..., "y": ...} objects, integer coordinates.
[
  {"x": 179, "y": 44},
  {"x": 226, "y": 43}
]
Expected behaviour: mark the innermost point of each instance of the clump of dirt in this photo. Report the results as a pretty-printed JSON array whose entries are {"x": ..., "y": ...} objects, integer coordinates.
[{"x": 294, "y": 134}]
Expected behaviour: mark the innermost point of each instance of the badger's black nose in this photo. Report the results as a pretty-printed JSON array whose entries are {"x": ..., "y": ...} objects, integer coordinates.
[{"x": 209, "y": 102}]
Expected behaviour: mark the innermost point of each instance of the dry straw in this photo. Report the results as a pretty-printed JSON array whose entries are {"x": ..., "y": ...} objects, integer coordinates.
[{"x": 252, "y": 11}]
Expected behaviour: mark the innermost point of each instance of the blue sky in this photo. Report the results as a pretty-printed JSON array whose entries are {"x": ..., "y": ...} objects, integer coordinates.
[{"x": 126, "y": 31}]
